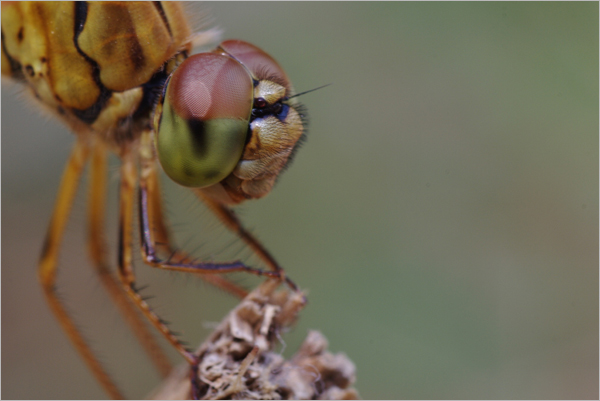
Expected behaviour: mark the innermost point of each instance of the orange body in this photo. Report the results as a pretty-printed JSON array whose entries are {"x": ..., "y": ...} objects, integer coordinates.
[{"x": 89, "y": 62}]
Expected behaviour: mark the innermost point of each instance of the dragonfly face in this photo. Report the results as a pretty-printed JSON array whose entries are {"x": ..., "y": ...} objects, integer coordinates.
[
  {"x": 227, "y": 113},
  {"x": 224, "y": 123}
]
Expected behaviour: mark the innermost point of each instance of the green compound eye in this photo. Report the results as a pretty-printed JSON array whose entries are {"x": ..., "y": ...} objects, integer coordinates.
[{"x": 201, "y": 130}]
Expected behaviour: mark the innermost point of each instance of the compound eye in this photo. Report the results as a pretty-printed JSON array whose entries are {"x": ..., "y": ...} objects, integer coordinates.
[
  {"x": 260, "y": 64},
  {"x": 202, "y": 123}
]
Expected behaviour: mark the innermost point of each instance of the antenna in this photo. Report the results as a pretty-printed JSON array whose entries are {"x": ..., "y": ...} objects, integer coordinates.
[{"x": 310, "y": 90}]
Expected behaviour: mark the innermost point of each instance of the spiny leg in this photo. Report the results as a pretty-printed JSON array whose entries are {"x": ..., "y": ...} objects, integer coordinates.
[
  {"x": 97, "y": 249},
  {"x": 49, "y": 263},
  {"x": 152, "y": 226},
  {"x": 149, "y": 250},
  {"x": 155, "y": 236},
  {"x": 158, "y": 225},
  {"x": 155, "y": 221},
  {"x": 230, "y": 220},
  {"x": 149, "y": 246},
  {"x": 126, "y": 275}
]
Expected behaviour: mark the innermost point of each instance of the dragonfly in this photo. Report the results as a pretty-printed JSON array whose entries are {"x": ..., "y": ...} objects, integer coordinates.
[{"x": 122, "y": 77}]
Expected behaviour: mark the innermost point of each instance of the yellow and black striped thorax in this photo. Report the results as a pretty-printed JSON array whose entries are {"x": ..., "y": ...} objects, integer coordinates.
[{"x": 99, "y": 65}]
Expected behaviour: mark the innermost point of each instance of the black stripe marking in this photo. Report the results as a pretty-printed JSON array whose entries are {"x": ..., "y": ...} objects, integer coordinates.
[
  {"x": 120, "y": 248},
  {"x": 15, "y": 66},
  {"x": 152, "y": 91},
  {"x": 163, "y": 15},
  {"x": 81, "y": 10},
  {"x": 90, "y": 114}
]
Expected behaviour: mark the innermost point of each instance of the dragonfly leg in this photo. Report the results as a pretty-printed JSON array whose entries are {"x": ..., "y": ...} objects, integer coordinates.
[
  {"x": 158, "y": 225},
  {"x": 230, "y": 220},
  {"x": 126, "y": 274},
  {"x": 97, "y": 250},
  {"x": 49, "y": 264},
  {"x": 149, "y": 250},
  {"x": 150, "y": 255},
  {"x": 152, "y": 226}
]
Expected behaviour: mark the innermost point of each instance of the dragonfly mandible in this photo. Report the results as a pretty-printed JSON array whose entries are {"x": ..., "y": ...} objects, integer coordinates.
[{"x": 121, "y": 76}]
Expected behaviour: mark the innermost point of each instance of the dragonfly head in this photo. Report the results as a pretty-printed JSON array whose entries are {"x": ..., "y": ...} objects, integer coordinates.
[{"x": 226, "y": 122}]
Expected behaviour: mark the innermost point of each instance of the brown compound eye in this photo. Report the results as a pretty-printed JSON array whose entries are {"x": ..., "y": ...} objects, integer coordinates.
[
  {"x": 260, "y": 63},
  {"x": 202, "y": 124}
]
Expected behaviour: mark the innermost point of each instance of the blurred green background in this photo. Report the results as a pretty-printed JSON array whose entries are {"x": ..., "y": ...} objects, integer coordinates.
[{"x": 443, "y": 214}]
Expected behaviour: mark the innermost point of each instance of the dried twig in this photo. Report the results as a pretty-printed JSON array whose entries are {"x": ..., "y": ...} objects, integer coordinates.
[{"x": 238, "y": 362}]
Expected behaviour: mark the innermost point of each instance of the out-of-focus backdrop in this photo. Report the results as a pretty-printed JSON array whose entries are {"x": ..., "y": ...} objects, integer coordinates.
[{"x": 442, "y": 215}]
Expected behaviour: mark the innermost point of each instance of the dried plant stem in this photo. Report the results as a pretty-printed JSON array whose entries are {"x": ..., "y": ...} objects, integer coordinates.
[{"x": 237, "y": 360}]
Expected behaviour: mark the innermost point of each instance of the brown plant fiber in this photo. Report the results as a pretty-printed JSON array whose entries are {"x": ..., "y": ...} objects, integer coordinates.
[{"x": 238, "y": 362}]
